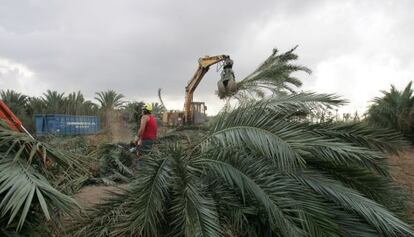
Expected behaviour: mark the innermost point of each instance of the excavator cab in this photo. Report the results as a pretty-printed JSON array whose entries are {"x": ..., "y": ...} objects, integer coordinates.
[{"x": 227, "y": 84}]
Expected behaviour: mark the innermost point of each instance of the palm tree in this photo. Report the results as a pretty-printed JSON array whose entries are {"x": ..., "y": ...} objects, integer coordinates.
[
  {"x": 110, "y": 100},
  {"x": 74, "y": 103},
  {"x": 77, "y": 105},
  {"x": 90, "y": 108},
  {"x": 133, "y": 113},
  {"x": 20, "y": 105},
  {"x": 259, "y": 170},
  {"x": 395, "y": 109},
  {"x": 274, "y": 75},
  {"x": 36, "y": 106},
  {"x": 134, "y": 110},
  {"x": 157, "y": 108},
  {"x": 54, "y": 102},
  {"x": 17, "y": 102}
]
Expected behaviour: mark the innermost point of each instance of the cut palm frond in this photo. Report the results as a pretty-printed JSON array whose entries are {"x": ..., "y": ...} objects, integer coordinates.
[
  {"x": 22, "y": 187},
  {"x": 263, "y": 169},
  {"x": 273, "y": 75},
  {"x": 29, "y": 173}
]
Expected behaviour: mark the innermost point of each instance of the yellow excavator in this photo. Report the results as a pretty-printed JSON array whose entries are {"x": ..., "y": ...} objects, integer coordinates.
[{"x": 194, "y": 112}]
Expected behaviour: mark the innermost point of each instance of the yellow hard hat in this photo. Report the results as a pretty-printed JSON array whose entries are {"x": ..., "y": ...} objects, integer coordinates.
[{"x": 148, "y": 107}]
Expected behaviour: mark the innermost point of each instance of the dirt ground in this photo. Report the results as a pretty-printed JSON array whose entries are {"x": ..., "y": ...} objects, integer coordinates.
[
  {"x": 402, "y": 171},
  {"x": 91, "y": 195}
]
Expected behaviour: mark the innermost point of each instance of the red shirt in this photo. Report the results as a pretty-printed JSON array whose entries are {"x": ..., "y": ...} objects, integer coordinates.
[{"x": 150, "y": 131}]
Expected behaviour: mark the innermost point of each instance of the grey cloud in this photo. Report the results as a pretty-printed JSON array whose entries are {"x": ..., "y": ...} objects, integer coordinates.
[
  {"x": 136, "y": 47},
  {"x": 133, "y": 47}
]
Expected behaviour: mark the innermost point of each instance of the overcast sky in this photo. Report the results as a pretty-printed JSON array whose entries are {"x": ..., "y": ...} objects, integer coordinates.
[{"x": 354, "y": 48}]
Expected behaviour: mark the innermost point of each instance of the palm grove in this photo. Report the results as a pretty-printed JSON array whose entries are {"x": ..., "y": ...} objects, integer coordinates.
[
  {"x": 259, "y": 168},
  {"x": 53, "y": 102}
]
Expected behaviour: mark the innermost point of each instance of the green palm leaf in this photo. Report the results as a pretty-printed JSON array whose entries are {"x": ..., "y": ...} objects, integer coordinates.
[
  {"x": 383, "y": 220},
  {"x": 272, "y": 75},
  {"x": 21, "y": 186},
  {"x": 25, "y": 182},
  {"x": 245, "y": 184},
  {"x": 263, "y": 168}
]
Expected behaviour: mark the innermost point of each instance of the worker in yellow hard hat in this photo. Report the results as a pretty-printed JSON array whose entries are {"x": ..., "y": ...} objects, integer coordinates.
[{"x": 147, "y": 132}]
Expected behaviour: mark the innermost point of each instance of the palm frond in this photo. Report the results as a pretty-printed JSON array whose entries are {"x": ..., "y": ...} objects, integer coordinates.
[
  {"x": 359, "y": 134},
  {"x": 115, "y": 163},
  {"x": 261, "y": 141},
  {"x": 194, "y": 212},
  {"x": 152, "y": 188},
  {"x": 273, "y": 75},
  {"x": 383, "y": 220},
  {"x": 21, "y": 187},
  {"x": 353, "y": 225},
  {"x": 237, "y": 179},
  {"x": 28, "y": 170}
]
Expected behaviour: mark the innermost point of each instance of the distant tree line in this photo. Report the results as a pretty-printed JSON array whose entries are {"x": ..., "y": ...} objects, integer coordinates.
[
  {"x": 54, "y": 102},
  {"x": 395, "y": 109}
]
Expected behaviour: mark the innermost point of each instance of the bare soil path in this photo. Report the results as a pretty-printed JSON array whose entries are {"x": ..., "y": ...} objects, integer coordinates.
[{"x": 402, "y": 171}]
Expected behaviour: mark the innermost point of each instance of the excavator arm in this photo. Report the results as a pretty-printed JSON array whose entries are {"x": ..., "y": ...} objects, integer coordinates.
[
  {"x": 15, "y": 124},
  {"x": 203, "y": 67},
  {"x": 11, "y": 119}
]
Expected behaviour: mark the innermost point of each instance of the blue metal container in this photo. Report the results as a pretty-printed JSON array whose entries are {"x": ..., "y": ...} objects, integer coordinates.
[{"x": 57, "y": 124}]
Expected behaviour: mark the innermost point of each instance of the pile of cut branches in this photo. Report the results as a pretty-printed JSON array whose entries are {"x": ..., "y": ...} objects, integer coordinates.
[{"x": 32, "y": 183}]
